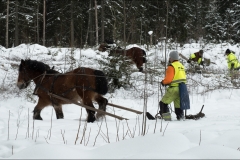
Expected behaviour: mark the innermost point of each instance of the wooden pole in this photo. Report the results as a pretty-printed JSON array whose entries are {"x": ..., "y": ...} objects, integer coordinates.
[
  {"x": 85, "y": 106},
  {"x": 128, "y": 109}
]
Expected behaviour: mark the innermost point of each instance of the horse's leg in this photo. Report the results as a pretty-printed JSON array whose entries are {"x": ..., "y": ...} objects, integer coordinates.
[
  {"x": 58, "y": 111},
  {"x": 140, "y": 69},
  {"x": 38, "y": 108},
  {"x": 139, "y": 65},
  {"x": 102, "y": 102},
  {"x": 91, "y": 114}
]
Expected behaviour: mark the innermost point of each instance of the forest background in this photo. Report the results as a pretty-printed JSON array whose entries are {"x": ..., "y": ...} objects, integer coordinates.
[{"x": 78, "y": 23}]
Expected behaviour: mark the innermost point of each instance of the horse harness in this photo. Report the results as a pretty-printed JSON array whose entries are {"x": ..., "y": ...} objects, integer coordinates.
[{"x": 39, "y": 85}]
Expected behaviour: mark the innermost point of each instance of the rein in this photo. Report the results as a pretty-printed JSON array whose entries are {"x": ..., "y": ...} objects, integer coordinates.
[
  {"x": 32, "y": 78},
  {"x": 37, "y": 85}
]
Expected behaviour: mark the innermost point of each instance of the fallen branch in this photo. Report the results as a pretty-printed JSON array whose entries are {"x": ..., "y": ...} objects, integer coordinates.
[{"x": 197, "y": 116}]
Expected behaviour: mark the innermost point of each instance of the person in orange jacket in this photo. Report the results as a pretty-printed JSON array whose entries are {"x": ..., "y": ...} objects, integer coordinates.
[{"x": 175, "y": 74}]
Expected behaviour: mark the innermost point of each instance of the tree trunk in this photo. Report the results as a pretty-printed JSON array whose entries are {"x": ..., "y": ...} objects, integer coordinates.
[
  {"x": 37, "y": 23},
  {"x": 102, "y": 20},
  {"x": 72, "y": 26},
  {"x": 44, "y": 21},
  {"x": 124, "y": 26},
  {"x": 167, "y": 4},
  {"x": 16, "y": 43},
  {"x": 96, "y": 22},
  {"x": 7, "y": 19},
  {"x": 91, "y": 24},
  {"x": 88, "y": 27}
]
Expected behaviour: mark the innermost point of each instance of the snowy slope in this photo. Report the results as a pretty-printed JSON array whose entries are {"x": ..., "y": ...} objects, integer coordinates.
[{"x": 212, "y": 137}]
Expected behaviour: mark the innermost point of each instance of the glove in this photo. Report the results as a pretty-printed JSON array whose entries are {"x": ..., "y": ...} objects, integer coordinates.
[
  {"x": 189, "y": 61},
  {"x": 163, "y": 84}
]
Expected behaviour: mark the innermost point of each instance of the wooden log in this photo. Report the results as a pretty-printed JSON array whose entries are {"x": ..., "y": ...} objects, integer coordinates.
[
  {"x": 85, "y": 106},
  {"x": 183, "y": 56},
  {"x": 124, "y": 108}
]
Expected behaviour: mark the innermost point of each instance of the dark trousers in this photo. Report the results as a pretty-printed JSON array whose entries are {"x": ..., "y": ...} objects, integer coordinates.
[
  {"x": 179, "y": 113},
  {"x": 164, "y": 109}
]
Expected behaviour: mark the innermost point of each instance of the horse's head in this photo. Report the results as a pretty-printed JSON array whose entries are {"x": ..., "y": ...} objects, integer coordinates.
[
  {"x": 23, "y": 79},
  {"x": 28, "y": 69}
]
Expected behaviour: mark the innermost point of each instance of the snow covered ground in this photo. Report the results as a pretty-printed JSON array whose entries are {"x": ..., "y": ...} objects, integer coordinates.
[{"x": 214, "y": 137}]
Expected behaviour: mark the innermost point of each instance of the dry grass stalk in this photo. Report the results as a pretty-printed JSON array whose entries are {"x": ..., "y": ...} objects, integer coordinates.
[
  {"x": 79, "y": 126},
  {"x": 97, "y": 134},
  {"x": 165, "y": 129}
]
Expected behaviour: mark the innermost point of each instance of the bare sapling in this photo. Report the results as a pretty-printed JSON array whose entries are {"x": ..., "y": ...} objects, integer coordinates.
[
  {"x": 79, "y": 126},
  {"x": 161, "y": 124},
  {"x": 18, "y": 121},
  {"x": 50, "y": 130},
  {"x": 165, "y": 129},
  {"x": 48, "y": 134},
  {"x": 103, "y": 137},
  {"x": 88, "y": 137},
  {"x": 62, "y": 133},
  {"x": 144, "y": 109},
  {"x": 126, "y": 135},
  {"x": 155, "y": 126},
  {"x": 123, "y": 132},
  {"x": 129, "y": 130},
  {"x": 27, "y": 134},
  {"x": 33, "y": 129},
  {"x": 97, "y": 134},
  {"x": 46, "y": 139},
  {"x": 135, "y": 128},
  {"x": 84, "y": 131},
  {"x": 37, "y": 135},
  {"x": 200, "y": 138},
  {"x": 8, "y": 123},
  {"x": 107, "y": 129},
  {"x": 139, "y": 127},
  {"x": 117, "y": 126},
  {"x": 147, "y": 129}
]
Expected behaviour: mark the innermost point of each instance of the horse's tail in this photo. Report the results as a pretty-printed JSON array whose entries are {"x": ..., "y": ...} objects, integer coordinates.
[
  {"x": 144, "y": 56},
  {"x": 101, "y": 82}
]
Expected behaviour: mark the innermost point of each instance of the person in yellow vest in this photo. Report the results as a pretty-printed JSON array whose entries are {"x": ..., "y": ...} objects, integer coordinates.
[
  {"x": 196, "y": 57},
  {"x": 175, "y": 74},
  {"x": 232, "y": 61}
]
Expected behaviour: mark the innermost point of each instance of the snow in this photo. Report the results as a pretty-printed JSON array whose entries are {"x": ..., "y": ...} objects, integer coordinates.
[{"x": 215, "y": 136}]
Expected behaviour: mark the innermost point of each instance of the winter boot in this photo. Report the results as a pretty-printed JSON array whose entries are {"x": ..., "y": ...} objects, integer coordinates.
[
  {"x": 167, "y": 116},
  {"x": 179, "y": 113},
  {"x": 164, "y": 111}
]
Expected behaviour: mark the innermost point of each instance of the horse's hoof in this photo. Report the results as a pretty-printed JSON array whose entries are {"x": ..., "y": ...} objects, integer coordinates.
[
  {"x": 60, "y": 118},
  {"x": 91, "y": 119},
  {"x": 39, "y": 118}
]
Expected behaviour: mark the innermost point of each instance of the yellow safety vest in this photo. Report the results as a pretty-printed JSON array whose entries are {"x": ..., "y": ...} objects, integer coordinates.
[
  {"x": 180, "y": 75},
  {"x": 231, "y": 58},
  {"x": 194, "y": 56}
]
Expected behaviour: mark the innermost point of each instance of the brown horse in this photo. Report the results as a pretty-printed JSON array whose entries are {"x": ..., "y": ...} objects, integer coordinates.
[
  {"x": 81, "y": 84},
  {"x": 137, "y": 55}
]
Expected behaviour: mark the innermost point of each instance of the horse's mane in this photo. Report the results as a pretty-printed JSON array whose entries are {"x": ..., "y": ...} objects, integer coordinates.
[{"x": 38, "y": 66}]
